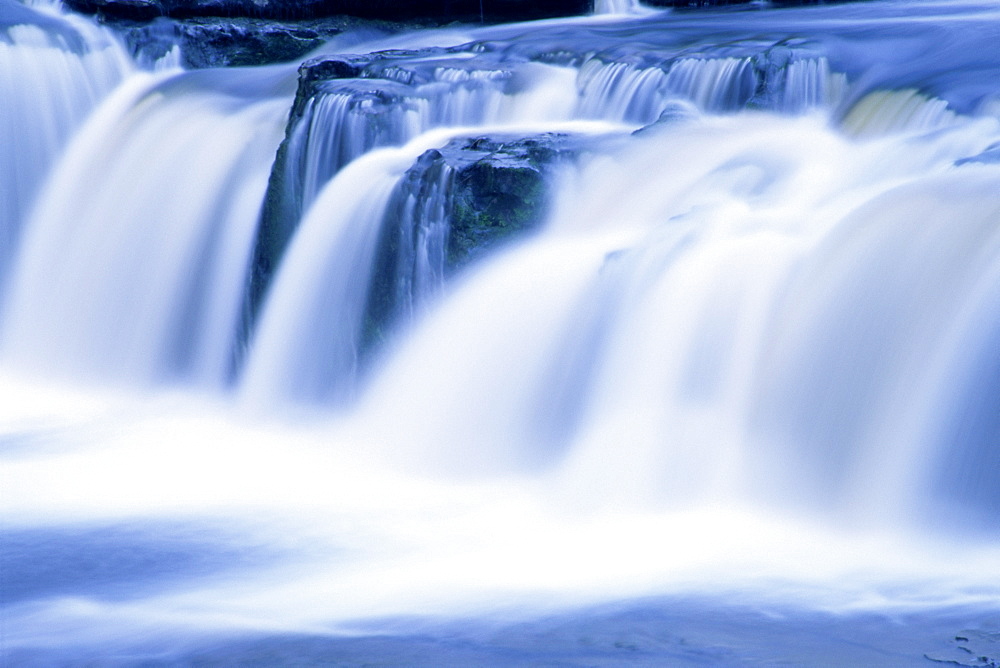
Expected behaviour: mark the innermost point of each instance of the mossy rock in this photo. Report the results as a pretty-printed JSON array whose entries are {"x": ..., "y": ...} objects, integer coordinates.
[
  {"x": 378, "y": 84},
  {"x": 489, "y": 190}
]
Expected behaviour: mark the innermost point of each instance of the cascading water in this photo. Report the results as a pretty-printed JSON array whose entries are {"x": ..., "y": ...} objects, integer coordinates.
[
  {"x": 696, "y": 315},
  {"x": 307, "y": 343},
  {"x": 65, "y": 68},
  {"x": 617, "y": 7},
  {"x": 120, "y": 276},
  {"x": 391, "y": 105}
]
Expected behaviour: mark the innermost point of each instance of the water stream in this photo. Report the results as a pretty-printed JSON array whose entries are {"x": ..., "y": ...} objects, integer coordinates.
[{"x": 750, "y": 353}]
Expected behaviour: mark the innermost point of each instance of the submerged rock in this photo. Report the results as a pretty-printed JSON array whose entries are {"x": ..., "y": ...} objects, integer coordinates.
[{"x": 675, "y": 112}]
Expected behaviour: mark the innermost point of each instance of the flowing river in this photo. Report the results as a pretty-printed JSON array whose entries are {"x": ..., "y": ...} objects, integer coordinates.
[{"x": 733, "y": 399}]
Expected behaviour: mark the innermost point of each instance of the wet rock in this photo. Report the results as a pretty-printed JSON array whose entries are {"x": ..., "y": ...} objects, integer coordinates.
[
  {"x": 456, "y": 204},
  {"x": 224, "y": 42},
  {"x": 243, "y": 41},
  {"x": 348, "y": 120},
  {"x": 393, "y": 10},
  {"x": 391, "y": 65},
  {"x": 499, "y": 189},
  {"x": 131, "y": 10},
  {"x": 344, "y": 106}
]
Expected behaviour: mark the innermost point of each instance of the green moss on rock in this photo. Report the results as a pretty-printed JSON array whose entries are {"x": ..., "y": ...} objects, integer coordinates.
[
  {"x": 499, "y": 190},
  {"x": 484, "y": 191}
]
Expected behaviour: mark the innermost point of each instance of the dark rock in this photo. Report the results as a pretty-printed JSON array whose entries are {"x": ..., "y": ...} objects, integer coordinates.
[
  {"x": 131, "y": 10},
  {"x": 316, "y": 74},
  {"x": 344, "y": 106},
  {"x": 235, "y": 42},
  {"x": 393, "y": 10},
  {"x": 243, "y": 41},
  {"x": 224, "y": 42},
  {"x": 368, "y": 111},
  {"x": 456, "y": 204},
  {"x": 499, "y": 189},
  {"x": 324, "y": 69},
  {"x": 770, "y": 67}
]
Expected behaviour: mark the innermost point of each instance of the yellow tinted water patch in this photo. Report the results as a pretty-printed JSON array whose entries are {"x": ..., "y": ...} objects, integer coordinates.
[{"x": 888, "y": 111}]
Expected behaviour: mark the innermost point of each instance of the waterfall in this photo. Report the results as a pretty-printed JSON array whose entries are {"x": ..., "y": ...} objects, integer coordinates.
[
  {"x": 893, "y": 111},
  {"x": 346, "y": 118},
  {"x": 333, "y": 251},
  {"x": 640, "y": 94},
  {"x": 689, "y": 264},
  {"x": 122, "y": 277},
  {"x": 414, "y": 245},
  {"x": 64, "y": 69},
  {"x": 458, "y": 344},
  {"x": 616, "y": 6},
  {"x": 337, "y": 128}
]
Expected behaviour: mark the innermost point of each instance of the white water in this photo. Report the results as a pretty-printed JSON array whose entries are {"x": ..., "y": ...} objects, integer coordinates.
[
  {"x": 749, "y": 353},
  {"x": 66, "y": 74},
  {"x": 618, "y": 7},
  {"x": 136, "y": 270},
  {"x": 347, "y": 121},
  {"x": 333, "y": 250}
]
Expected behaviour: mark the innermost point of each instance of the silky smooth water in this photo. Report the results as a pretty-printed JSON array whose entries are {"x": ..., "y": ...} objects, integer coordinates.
[{"x": 750, "y": 356}]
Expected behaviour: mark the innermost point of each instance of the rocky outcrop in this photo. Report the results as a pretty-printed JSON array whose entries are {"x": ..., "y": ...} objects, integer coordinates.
[
  {"x": 345, "y": 106},
  {"x": 499, "y": 189},
  {"x": 394, "y": 10},
  {"x": 236, "y": 42},
  {"x": 337, "y": 115},
  {"x": 456, "y": 204},
  {"x": 232, "y": 42}
]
